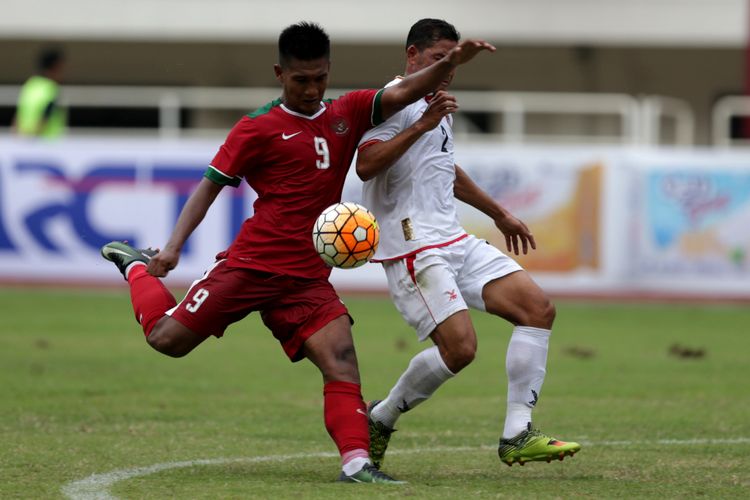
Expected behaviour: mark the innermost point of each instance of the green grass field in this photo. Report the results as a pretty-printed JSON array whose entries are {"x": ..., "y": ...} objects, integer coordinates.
[{"x": 89, "y": 410}]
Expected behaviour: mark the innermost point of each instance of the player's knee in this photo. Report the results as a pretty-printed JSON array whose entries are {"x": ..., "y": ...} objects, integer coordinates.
[
  {"x": 346, "y": 355},
  {"x": 341, "y": 365},
  {"x": 547, "y": 314},
  {"x": 165, "y": 344},
  {"x": 539, "y": 313},
  {"x": 459, "y": 356}
]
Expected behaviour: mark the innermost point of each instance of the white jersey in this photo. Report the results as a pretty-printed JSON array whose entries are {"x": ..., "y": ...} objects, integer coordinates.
[{"x": 413, "y": 200}]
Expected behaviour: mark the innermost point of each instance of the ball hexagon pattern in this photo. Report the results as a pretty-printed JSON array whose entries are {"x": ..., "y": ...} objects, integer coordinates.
[{"x": 346, "y": 235}]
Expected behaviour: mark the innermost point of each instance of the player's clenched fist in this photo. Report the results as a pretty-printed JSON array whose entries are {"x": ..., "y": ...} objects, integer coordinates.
[
  {"x": 163, "y": 262},
  {"x": 442, "y": 104}
]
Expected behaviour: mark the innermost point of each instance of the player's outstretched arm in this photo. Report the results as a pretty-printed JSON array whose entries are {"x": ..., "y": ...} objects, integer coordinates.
[
  {"x": 518, "y": 237},
  {"x": 191, "y": 215},
  {"x": 467, "y": 50},
  {"x": 376, "y": 156},
  {"x": 421, "y": 83}
]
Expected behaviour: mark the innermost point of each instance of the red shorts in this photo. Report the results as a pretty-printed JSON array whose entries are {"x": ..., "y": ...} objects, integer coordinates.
[{"x": 292, "y": 308}]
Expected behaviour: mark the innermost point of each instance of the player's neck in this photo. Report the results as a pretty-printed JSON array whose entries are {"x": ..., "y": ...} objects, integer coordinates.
[{"x": 300, "y": 110}]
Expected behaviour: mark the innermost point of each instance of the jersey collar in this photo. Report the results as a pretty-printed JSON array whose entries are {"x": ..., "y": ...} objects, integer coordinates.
[{"x": 294, "y": 113}]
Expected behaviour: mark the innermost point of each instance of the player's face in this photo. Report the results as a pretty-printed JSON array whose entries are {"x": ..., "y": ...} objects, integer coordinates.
[
  {"x": 57, "y": 71},
  {"x": 416, "y": 60},
  {"x": 304, "y": 83}
]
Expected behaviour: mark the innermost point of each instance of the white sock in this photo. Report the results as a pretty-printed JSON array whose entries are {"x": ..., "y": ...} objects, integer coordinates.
[
  {"x": 426, "y": 372},
  {"x": 131, "y": 265},
  {"x": 354, "y": 465},
  {"x": 525, "y": 364}
]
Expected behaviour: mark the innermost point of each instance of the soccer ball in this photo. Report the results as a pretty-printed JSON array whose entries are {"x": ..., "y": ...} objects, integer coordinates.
[{"x": 346, "y": 235}]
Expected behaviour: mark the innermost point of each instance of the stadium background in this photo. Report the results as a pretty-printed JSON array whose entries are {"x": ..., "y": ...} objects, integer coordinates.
[{"x": 613, "y": 128}]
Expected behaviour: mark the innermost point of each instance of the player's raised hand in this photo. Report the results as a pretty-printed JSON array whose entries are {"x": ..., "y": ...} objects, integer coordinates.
[
  {"x": 163, "y": 262},
  {"x": 441, "y": 104},
  {"x": 516, "y": 234},
  {"x": 467, "y": 49}
]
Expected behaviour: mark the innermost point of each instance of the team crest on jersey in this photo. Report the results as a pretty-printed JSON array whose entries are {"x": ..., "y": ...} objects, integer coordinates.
[{"x": 339, "y": 126}]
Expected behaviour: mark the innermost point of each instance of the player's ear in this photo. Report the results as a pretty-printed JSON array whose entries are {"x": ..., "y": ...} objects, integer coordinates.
[
  {"x": 278, "y": 71},
  {"x": 411, "y": 52}
]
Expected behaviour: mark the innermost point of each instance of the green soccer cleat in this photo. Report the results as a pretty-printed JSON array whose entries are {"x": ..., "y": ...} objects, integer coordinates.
[
  {"x": 380, "y": 435},
  {"x": 533, "y": 446},
  {"x": 123, "y": 255},
  {"x": 368, "y": 474}
]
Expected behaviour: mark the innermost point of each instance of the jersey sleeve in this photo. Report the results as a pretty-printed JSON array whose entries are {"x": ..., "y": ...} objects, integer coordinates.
[
  {"x": 363, "y": 108},
  {"x": 235, "y": 156},
  {"x": 389, "y": 128},
  {"x": 383, "y": 132}
]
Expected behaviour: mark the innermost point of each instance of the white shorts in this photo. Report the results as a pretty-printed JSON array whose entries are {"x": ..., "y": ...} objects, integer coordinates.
[{"x": 437, "y": 283}]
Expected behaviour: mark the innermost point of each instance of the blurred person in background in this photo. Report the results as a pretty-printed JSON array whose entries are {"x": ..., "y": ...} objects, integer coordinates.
[
  {"x": 295, "y": 153},
  {"x": 38, "y": 113},
  {"x": 436, "y": 271}
]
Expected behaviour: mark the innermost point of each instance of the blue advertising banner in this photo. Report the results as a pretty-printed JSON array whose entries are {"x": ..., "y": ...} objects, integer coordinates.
[{"x": 60, "y": 202}]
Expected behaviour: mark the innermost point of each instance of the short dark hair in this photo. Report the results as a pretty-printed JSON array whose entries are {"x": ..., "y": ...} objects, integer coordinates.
[
  {"x": 305, "y": 41},
  {"x": 427, "y": 32},
  {"x": 49, "y": 58}
]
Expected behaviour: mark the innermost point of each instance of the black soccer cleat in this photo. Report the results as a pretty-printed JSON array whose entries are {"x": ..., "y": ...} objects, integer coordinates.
[
  {"x": 122, "y": 255},
  {"x": 368, "y": 474}
]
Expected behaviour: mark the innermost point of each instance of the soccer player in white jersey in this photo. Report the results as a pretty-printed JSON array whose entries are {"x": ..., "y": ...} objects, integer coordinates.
[{"x": 436, "y": 271}]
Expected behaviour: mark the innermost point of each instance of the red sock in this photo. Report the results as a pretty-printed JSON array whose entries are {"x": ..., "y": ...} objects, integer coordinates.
[
  {"x": 149, "y": 296},
  {"x": 346, "y": 416}
]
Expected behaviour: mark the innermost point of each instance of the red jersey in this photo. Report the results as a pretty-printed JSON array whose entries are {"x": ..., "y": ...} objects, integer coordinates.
[{"x": 297, "y": 165}]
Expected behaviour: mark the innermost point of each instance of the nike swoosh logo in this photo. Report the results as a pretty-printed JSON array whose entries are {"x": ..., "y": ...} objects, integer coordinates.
[
  {"x": 126, "y": 254},
  {"x": 287, "y": 137},
  {"x": 119, "y": 252},
  {"x": 359, "y": 410}
]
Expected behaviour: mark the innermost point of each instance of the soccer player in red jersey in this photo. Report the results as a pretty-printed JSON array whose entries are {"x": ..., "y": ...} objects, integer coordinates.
[{"x": 295, "y": 153}]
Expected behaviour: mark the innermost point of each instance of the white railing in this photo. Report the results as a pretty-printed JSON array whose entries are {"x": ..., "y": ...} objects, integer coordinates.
[
  {"x": 654, "y": 108},
  {"x": 640, "y": 120}
]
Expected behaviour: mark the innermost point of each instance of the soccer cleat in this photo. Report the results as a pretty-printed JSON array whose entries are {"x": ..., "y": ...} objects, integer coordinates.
[
  {"x": 123, "y": 255},
  {"x": 380, "y": 435},
  {"x": 533, "y": 446},
  {"x": 368, "y": 474}
]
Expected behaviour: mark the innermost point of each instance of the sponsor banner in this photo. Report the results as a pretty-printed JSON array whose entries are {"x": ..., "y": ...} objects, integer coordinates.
[
  {"x": 692, "y": 215},
  {"x": 60, "y": 202},
  {"x": 556, "y": 192},
  {"x": 604, "y": 219}
]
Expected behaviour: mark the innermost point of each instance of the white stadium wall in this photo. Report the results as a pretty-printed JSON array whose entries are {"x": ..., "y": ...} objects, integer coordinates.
[
  {"x": 600, "y": 22},
  {"x": 606, "y": 220}
]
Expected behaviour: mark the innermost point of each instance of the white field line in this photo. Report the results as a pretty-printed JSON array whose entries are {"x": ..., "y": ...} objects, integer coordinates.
[{"x": 96, "y": 486}]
